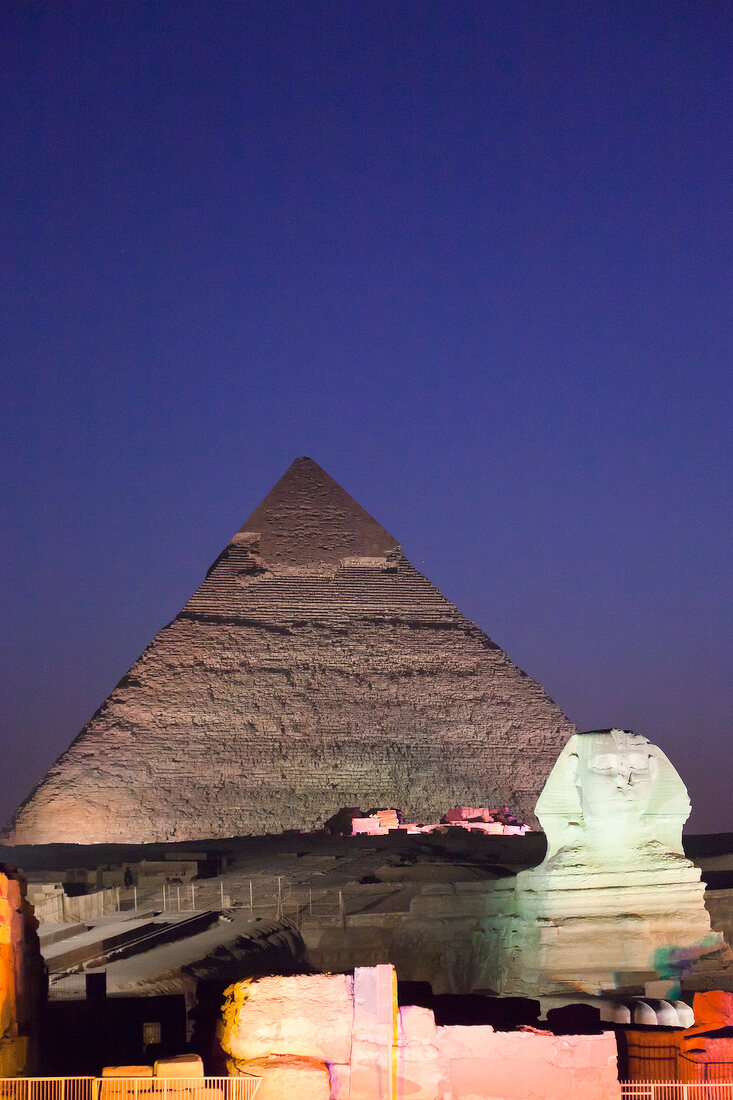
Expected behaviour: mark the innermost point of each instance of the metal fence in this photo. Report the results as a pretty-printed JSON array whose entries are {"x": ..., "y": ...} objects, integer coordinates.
[
  {"x": 276, "y": 897},
  {"x": 176, "y": 1088},
  {"x": 273, "y": 896},
  {"x": 245, "y": 1088},
  {"x": 47, "y": 1088},
  {"x": 70, "y": 987},
  {"x": 677, "y": 1090},
  {"x": 129, "y": 1088}
]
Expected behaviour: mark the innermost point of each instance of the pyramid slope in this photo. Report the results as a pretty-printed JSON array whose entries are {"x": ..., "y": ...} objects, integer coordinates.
[
  {"x": 308, "y": 517},
  {"x": 314, "y": 668}
]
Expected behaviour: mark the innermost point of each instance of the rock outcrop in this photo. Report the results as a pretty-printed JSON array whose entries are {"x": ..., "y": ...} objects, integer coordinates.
[
  {"x": 22, "y": 976},
  {"x": 314, "y": 668}
]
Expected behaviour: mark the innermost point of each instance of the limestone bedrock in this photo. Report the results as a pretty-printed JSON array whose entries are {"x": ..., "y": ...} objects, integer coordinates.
[{"x": 615, "y": 905}]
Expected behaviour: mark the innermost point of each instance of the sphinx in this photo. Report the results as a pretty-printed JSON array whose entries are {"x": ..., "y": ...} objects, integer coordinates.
[{"x": 615, "y": 906}]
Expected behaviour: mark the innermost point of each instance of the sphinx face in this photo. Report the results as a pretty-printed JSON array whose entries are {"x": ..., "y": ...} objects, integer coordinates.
[{"x": 614, "y": 775}]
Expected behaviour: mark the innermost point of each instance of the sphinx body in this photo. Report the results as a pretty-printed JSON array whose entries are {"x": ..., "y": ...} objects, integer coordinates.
[{"x": 615, "y": 905}]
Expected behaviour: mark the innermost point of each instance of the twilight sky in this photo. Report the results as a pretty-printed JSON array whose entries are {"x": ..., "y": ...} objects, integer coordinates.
[{"x": 474, "y": 258}]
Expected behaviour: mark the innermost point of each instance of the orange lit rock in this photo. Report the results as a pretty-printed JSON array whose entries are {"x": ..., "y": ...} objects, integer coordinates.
[
  {"x": 314, "y": 668},
  {"x": 127, "y": 1071},
  {"x": 21, "y": 976},
  {"x": 713, "y": 1010}
]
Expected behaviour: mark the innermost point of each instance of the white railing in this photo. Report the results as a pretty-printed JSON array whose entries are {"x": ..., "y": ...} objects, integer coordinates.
[
  {"x": 245, "y": 1088},
  {"x": 677, "y": 1090},
  {"x": 47, "y": 1088},
  {"x": 177, "y": 1088},
  {"x": 129, "y": 1088}
]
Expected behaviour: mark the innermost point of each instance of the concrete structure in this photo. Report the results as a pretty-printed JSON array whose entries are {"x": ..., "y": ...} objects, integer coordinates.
[
  {"x": 333, "y": 1037},
  {"x": 314, "y": 668},
  {"x": 21, "y": 977}
]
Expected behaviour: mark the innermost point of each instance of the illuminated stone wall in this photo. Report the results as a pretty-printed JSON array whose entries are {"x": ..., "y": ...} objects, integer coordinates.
[
  {"x": 332, "y": 1037},
  {"x": 21, "y": 976},
  {"x": 315, "y": 668}
]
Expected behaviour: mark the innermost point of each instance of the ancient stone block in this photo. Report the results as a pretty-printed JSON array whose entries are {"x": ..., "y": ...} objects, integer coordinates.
[
  {"x": 401, "y": 1055},
  {"x": 310, "y": 1017},
  {"x": 284, "y": 1077}
]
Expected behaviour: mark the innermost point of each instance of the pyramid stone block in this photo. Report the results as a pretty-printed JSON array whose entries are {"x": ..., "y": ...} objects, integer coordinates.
[{"x": 314, "y": 668}]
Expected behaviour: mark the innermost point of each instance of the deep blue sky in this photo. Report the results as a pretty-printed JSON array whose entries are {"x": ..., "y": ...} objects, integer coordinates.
[{"x": 475, "y": 258}]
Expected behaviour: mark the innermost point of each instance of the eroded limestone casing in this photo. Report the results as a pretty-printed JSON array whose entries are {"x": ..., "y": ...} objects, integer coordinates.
[{"x": 314, "y": 669}]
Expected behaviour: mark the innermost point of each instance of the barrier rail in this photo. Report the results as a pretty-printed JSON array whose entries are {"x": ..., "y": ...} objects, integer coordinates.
[
  {"x": 677, "y": 1090},
  {"x": 271, "y": 896},
  {"x": 245, "y": 1088},
  {"x": 129, "y": 1088},
  {"x": 47, "y": 1088}
]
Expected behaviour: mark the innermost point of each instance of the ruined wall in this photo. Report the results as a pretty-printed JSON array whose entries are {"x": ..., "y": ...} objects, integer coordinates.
[
  {"x": 21, "y": 976},
  {"x": 329, "y": 1037},
  {"x": 315, "y": 668}
]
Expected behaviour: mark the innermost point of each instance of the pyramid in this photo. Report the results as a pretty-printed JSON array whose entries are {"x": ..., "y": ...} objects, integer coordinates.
[{"x": 314, "y": 668}]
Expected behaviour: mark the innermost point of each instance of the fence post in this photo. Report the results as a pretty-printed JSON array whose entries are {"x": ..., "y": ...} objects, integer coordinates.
[
  {"x": 221, "y": 888},
  {"x": 164, "y": 897},
  {"x": 134, "y": 894},
  {"x": 178, "y": 895},
  {"x": 117, "y": 898},
  {"x": 310, "y": 901},
  {"x": 193, "y": 897},
  {"x": 251, "y": 905},
  {"x": 342, "y": 909}
]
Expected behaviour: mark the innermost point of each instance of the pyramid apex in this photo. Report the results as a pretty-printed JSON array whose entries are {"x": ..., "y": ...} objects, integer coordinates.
[{"x": 308, "y": 517}]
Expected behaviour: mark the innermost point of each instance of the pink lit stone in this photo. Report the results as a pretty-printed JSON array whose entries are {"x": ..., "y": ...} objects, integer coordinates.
[
  {"x": 383, "y": 1053},
  {"x": 285, "y": 1077}
]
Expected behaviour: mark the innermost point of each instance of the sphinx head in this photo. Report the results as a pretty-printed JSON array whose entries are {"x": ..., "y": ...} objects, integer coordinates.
[
  {"x": 613, "y": 789},
  {"x": 613, "y": 772}
]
